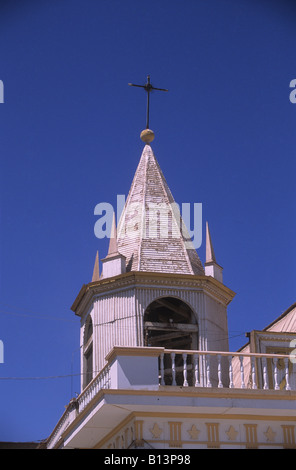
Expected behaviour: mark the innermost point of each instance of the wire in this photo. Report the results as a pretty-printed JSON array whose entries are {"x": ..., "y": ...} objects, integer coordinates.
[
  {"x": 46, "y": 377},
  {"x": 116, "y": 319},
  {"x": 40, "y": 317}
]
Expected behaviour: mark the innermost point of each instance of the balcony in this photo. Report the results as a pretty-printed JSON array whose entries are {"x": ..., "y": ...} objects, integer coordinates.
[{"x": 159, "y": 377}]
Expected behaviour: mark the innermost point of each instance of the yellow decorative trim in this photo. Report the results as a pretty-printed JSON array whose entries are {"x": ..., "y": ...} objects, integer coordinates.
[
  {"x": 289, "y": 436},
  {"x": 213, "y": 435},
  {"x": 251, "y": 436},
  {"x": 175, "y": 434},
  {"x": 209, "y": 392},
  {"x": 232, "y": 434},
  {"x": 223, "y": 443},
  {"x": 193, "y": 392},
  {"x": 193, "y": 432},
  {"x": 114, "y": 431},
  {"x": 156, "y": 431},
  {"x": 160, "y": 414},
  {"x": 270, "y": 434},
  {"x": 138, "y": 431}
]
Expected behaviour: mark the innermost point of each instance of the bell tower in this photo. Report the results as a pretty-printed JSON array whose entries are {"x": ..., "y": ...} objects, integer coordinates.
[{"x": 153, "y": 289}]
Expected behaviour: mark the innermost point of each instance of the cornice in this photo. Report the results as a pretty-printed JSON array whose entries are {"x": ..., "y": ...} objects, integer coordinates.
[{"x": 141, "y": 279}]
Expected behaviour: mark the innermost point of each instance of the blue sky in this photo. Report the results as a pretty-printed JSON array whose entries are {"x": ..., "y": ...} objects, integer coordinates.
[{"x": 69, "y": 137}]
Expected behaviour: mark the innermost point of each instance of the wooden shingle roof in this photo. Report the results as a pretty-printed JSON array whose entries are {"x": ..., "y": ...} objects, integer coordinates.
[{"x": 150, "y": 233}]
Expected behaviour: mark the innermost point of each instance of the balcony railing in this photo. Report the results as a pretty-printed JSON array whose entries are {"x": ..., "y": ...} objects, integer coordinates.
[
  {"x": 226, "y": 369},
  {"x": 101, "y": 381},
  {"x": 146, "y": 368}
]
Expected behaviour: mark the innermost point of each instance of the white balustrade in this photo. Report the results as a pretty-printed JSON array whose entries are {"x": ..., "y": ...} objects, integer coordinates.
[
  {"x": 173, "y": 355},
  {"x": 275, "y": 374},
  {"x": 209, "y": 369},
  {"x": 199, "y": 369},
  {"x": 220, "y": 383},
  {"x": 101, "y": 381},
  {"x": 162, "y": 369},
  {"x": 185, "y": 383},
  {"x": 286, "y": 360},
  {"x": 196, "y": 370},
  {"x": 231, "y": 383},
  {"x": 209, "y": 383},
  {"x": 265, "y": 378},
  {"x": 253, "y": 368},
  {"x": 242, "y": 372}
]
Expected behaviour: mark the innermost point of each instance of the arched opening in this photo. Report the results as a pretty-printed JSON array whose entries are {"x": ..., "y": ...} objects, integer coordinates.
[
  {"x": 170, "y": 323},
  {"x": 88, "y": 352}
]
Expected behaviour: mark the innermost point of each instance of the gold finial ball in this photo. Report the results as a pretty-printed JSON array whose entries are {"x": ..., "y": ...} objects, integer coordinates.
[{"x": 147, "y": 135}]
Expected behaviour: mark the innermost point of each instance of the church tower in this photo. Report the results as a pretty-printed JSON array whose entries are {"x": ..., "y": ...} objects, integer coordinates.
[
  {"x": 153, "y": 289},
  {"x": 156, "y": 370}
]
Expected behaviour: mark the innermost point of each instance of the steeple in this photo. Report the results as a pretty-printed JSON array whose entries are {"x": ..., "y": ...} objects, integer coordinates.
[
  {"x": 212, "y": 268},
  {"x": 210, "y": 255},
  {"x": 114, "y": 263},
  {"x": 150, "y": 231},
  {"x": 153, "y": 289},
  {"x": 96, "y": 271},
  {"x": 113, "y": 249}
]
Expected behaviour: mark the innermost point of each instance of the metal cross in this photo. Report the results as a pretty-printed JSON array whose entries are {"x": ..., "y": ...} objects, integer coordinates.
[{"x": 148, "y": 87}]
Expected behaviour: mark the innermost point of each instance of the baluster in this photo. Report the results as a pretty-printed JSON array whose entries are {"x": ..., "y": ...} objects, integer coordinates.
[
  {"x": 220, "y": 384},
  {"x": 275, "y": 374},
  {"x": 185, "y": 383},
  {"x": 209, "y": 384},
  {"x": 196, "y": 371},
  {"x": 173, "y": 369},
  {"x": 254, "y": 383},
  {"x": 243, "y": 385},
  {"x": 107, "y": 377},
  {"x": 265, "y": 378},
  {"x": 108, "y": 382},
  {"x": 287, "y": 374},
  {"x": 231, "y": 384},
  {"x": 100, "y": 381},
  {"x": 162, "y": 369}
]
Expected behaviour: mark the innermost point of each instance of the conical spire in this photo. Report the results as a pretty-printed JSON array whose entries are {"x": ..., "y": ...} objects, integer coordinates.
[
  {"x": 212, "y": 268},
  {"x": 210, "y": 255},
  {"x": 96, "y": 271},
  {"x": 114, "y": 263},
  {"x": 113, "y": 248},
  {"x": 149, "y": 234}
]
